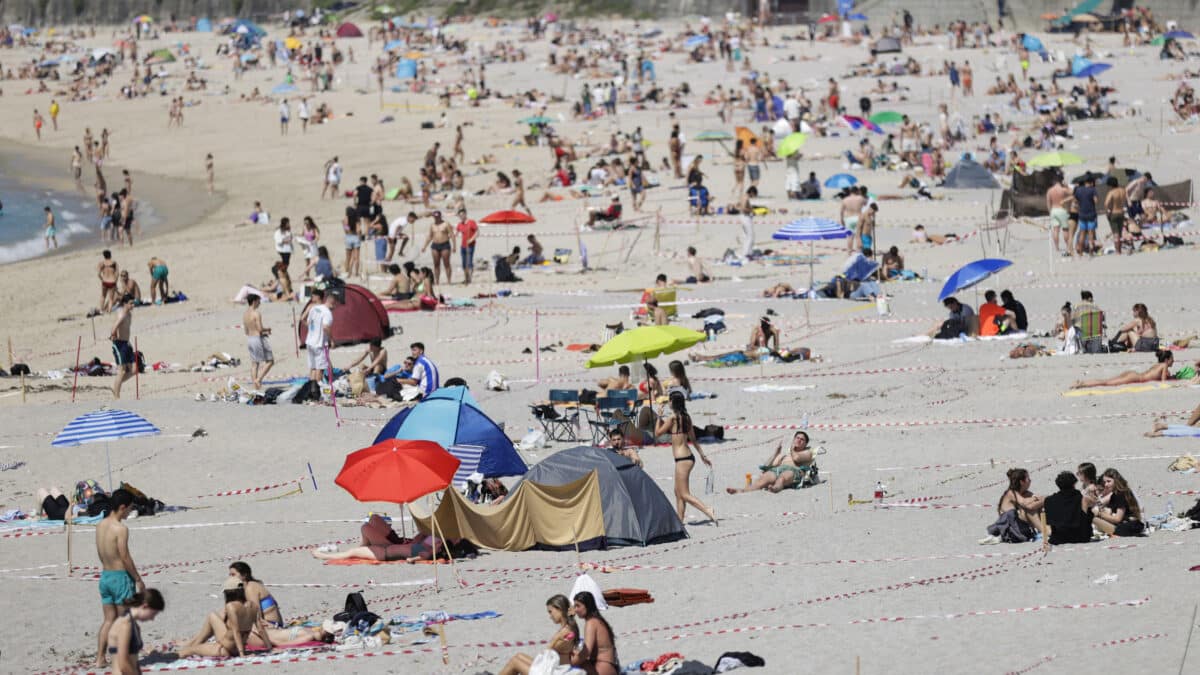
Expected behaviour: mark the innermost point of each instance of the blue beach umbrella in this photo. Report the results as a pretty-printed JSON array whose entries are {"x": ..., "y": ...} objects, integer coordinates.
[
  {"x": 1180, "y": 35},
  {"x": 451, "y": 417},
  {"x": 970, "y": 274},
  {"x": 1093, "y": 69},
  {"x": 103, "y": 426},
  {"x": 1032, "y": 44},
  {"x": 284, "y": 88},
  {"x": 840, "y": 180},
  {"x": 204, "y": 25},
  {"x": 695, "y": 41},
  {"x": 395, "y": 44},
  {"x": 406, "y": 69}
]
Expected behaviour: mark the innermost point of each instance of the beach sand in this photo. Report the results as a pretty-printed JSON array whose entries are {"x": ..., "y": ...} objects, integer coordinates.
[{"x": 801, "y": 578}]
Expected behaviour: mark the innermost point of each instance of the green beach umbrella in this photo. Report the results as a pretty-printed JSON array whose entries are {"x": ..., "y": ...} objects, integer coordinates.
[
  {"x": 536, "y": 119},
  {"x": 887, "y": 117},
  {"x": 1055, "y": 159},
  {"x": 713, "y": 136},
  {"x": 644, "y": 343},
  {"x": 790, "y": 144}
]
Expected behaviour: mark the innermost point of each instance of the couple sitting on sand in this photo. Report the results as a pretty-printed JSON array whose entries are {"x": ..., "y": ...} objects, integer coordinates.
[
  {"x": 785, "y": 470},
  {"x": 1068, "y": 516},
  {"x": 250, "y": 618}
]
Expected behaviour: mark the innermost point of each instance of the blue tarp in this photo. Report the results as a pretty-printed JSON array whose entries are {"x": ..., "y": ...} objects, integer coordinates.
[
  {"x": 204, "y": 25},
  {"x": 450, "y": 416}
]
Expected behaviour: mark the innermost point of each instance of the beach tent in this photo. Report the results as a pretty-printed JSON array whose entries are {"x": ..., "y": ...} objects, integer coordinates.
[
  {"x": 406, "y": 69},
  {"x": 886, "y": 45},
  {"x": 161, "y": 56},
  {"x": 450, "y": 416},
  {"x": 636, "y": 512},
  {"x": 969, "y": 174},
  {"x": 204, "y": 25},
  {"x": 1032, "y": 44},
  {"x": 532, "y": 516},
  {"x": 358, "y": 316},
  {"x": 246, "y": 27},
  {"x": 348, "y": 30}
]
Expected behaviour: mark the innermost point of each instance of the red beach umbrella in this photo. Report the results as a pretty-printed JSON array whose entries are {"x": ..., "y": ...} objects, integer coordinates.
[
  {"x": 507, "y": 218},
  {"x": 397, "y": 471}
]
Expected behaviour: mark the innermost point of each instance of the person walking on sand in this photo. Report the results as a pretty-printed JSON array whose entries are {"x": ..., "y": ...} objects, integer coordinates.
[
  {"x": 1115, "y": 203},
  {"x": 119, "y": 578},
  {"x": 319, "y": 317},
  {"x": 107, "y": 271},
  {"x": 333, "y": 178},
  {"x": 441, "y": 240},
  {"x": 38, "y": 121},
  {"x": 210, "y": 172},
  {"x": 51, "y": 235},
  {"x": 285, "y": 114},
  {"x": 679, "y": 426},
  {"x": 302, "y": 112},
  {"x": 1055, "y": 196},
  {"x": 77, "y": 167},
  {"x": 851, "y": 211},
  {"x": 519, "y": 198},
  {"x": 261, "y": 356},
  {"x": 468, "y": 230},
  {"x": 124, "y": 358}
]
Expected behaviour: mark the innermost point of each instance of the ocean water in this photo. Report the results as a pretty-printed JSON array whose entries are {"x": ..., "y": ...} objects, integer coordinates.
[{"x": 22, "y": 219}]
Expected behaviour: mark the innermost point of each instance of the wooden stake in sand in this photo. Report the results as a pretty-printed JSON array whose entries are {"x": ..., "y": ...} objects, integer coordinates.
[
  {"x": 10, "y": 354},
  {"x": 68, "y": 517},
  {"x": 295, "y": 332},
  {"x": 78, "y": 351},
  {"x": 137, "y": 382},
  {"x": 537, "y": 347},
  {"x": 22, "y": 387},
  {"x": 93, "y": 317}
]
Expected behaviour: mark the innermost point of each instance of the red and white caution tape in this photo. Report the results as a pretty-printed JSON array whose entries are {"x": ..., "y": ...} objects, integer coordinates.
[{"x": 247, "y": 491}]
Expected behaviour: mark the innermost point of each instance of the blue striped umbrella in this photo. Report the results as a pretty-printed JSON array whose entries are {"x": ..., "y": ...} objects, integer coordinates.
[
  {"x": 103, "y": 426},
  {"x": 811, "y": 230}
]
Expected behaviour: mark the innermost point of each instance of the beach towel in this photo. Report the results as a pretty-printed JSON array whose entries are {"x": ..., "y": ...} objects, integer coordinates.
[
  {"x": 1181, "y": 431},
  {"x": 1127, "y": 389}
]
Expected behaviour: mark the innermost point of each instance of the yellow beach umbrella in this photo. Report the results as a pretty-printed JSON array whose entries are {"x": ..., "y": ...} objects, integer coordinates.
[
  {"x": 292, "y": 43},
  {"x": 1055, "y": 159},
  {"x": 644, "y": 343},
  {"x": 415, "y": 55}
]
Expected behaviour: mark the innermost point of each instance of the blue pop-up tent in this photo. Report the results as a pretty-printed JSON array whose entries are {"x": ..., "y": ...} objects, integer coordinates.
[
  {"x": 203, "y": 25},
  {"x": 406, "y": 69},
  {"x": 450, "y": 416}
]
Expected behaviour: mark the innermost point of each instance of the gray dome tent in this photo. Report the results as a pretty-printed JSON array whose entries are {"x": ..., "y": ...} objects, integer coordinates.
[
  {"x": 636, "y": 512},
  {"x": 886, "y": 45},
  {"x": 969, "y": 174}
]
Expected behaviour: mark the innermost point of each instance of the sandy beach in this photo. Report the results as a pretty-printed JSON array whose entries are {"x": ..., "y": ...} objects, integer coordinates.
[{"x": 810, "y": 580}]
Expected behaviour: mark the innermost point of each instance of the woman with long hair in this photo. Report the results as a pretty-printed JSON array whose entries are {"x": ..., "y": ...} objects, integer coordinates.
[
  {"x": 683, "y": 435},
  {"x": 1118, "y": 512},
  {"x": 679, "y": 377},
  {"x": 257, "y": 592},
  {"x": 1018, "y": 509},
  {"x": 560, "y": 646},
  {"x": 1141, "y": 334},
  {"x": 739, "y": 168},
  {"x": 1159, "y": 372},
  {"x": 311, "y": 236},
  {"x": 232, "y": 629},
  {"x": 598, "y": 653},
  {"x": 125, "y": 637},
  {"x": 353, "y": 242}
]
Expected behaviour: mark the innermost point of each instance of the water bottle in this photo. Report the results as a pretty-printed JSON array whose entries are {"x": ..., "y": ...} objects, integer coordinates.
[
  {"x": 879, "y": 492},
  {"x": 1170, "y": 509},
  {"x": 804, "y": 422}
]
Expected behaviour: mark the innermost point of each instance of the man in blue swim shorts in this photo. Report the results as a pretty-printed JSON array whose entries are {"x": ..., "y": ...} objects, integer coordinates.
[{"x": 119, "y": 578}]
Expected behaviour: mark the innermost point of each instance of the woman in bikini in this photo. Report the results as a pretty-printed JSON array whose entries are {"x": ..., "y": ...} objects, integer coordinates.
[
  {"x": 1141, "y": 334},
  {"x": 1018, "y": 497},
  {"x": 380, "y": 542},
  {"x": 782, "y": 470},
  {"x": 598, "y": 654},
  {"x": 683, "y": 435},
  {"x": 231, "y": 632},
  {"x": 125, "y": 637},
  {"x": 256, "y": 592},
  {"x": 561, "y": 644},
  {"x": 1159, "y": 372}
]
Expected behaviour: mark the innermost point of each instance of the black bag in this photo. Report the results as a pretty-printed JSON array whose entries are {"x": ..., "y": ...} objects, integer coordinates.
[
  {"x": 1115, "y": 347},
  {"x": 951, "y": 329},
  {"x": 19, "y": 369},
  {"x": 355, "y": 605},
  {"x": 390, "y": 388},
  {"x": 309, "y": 391},
  {"x": 587, "y": 397},
  {"x": 140, "y": 360},
  {"x": 713, "y": 431}
]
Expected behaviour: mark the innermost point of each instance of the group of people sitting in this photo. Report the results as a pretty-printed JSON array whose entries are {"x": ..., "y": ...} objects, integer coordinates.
[
  {"x": 1006, "y": 317},
  {"x": 1105, "y": 506}
]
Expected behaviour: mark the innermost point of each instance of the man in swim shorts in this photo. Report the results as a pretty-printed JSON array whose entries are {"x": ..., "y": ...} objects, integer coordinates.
[
  {"x": 119, "y": 578},
  {"x": 319, "y": 315},
  {"x": 852, "y": 206},
  {"x": 783, "y": 470},
  {"x": 159, "y": 288},
  {"x": 441, "y": 240},
  {"x": 1085, "y": 195},
  {"x": 1058, "y": 213},
  {"x": 51, "y": 229},
  {"x": 123, "y": 355},
  {"x": 261, "y": 356}
]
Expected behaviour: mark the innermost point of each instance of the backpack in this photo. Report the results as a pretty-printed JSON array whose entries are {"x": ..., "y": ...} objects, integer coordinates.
[
  {"x": 355, "y": 605},
  {"x": 309, "y": 391}
]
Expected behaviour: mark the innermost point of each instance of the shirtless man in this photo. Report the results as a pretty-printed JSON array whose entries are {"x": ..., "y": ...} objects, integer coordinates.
[
  {"x": 261, "y": 356},
  {"x": 783, "y": 470},
  {"x": 699, "y": 274},
  {"x": 458, "y": 155},
  {"x": 129, "y": 286},
  {"x": 1114, "y": 205},
  {"x": 866, "y": 227},
  {"x": 119, "y": 578},
  {"x": 618, "y": 383},
  {"x": 441, "y": 239},
  {"x": 754, "y": 158},
  {"x": 87, "y": 143},
  {"x": 519, "y": 197},
  {"x": 107, "y": 271},
  {"x": 127, "y": 213},
  {"x": 209, "y": 171},
  {"x": 51, "y": 232},
  {"x": 851, "y": 211},
  {"x": 123, "y": 357},
  {"x": 1058, "y": 213},
  {"x": 77, "y": 166},
  {"x": 159, "y": 285},
  {"x": 374, "y": 360},
  {"x": 908, "y": 141}
]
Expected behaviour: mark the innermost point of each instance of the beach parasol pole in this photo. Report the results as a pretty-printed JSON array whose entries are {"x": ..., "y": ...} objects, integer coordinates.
[
  {"x": 332, "y": 393},
  {"x": 537, "y": 347},
  {"x": 78, "y": 350},
  {"x": 137, "y": 381}
]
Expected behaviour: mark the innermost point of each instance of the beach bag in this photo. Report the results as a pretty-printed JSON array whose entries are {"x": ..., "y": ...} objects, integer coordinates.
[
  {"x": 19, "y": 369},
  {"x": 428, "y": 302},
  {"x": 355, "y": 606},
  {"x": 1116, "y": 347},
  {"x": 713, "y": 431},
  {"x": 951, "y": 329},
  {"x": 309, "y": 391}
]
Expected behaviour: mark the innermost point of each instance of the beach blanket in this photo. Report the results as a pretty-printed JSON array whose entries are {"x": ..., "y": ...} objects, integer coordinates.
[
  {"x": 1127, "y": 389},
  {"x": 1181, "y": 431},
  {"x": 767, "y": 388},
  {"x": 923, "y": 339}
]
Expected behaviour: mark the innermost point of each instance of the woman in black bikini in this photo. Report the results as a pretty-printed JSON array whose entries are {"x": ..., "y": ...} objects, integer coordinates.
[
  {"x": 598, "y": 655},
  {"x": 679, "y": 425},
  {"x": 125, "y": 638}
]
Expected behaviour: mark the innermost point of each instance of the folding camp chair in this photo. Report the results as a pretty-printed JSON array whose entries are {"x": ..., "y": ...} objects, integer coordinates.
[
  {"x": 1091, "y": 331},
  {"x": 559, "y": 426},
  {"x": 607, "y": 417}
]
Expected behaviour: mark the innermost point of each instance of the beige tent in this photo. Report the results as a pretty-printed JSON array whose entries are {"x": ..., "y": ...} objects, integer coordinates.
[{"x": 533, "y": 514}]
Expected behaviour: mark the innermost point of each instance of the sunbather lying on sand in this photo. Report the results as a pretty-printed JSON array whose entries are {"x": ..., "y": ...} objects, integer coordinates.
[
  {"x": 783, "y": 470},
  {"x": 1161, "y": 427},
  {"x": 780, "y": 290},
  {"x": 1159, "y": 372},
  {"x": 380, "y": 542},
  {"x": 787, "y": 354}
]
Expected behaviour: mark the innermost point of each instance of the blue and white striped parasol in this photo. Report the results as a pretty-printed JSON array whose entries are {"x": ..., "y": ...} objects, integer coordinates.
[
  {"x": 103, "y": 426},
  {"x": 811, "y": 229}
]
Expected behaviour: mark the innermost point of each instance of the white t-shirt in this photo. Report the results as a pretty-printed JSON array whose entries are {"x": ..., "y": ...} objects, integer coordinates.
[
  {"x": 397, "y": 226},
  {"x": 791, "y": 109},
  {"x": 283, "y": 241},
  {"x": 284, "y": 111},
  {"x": 320, "y": 318},
  {"x": 302, "y": 110}
]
